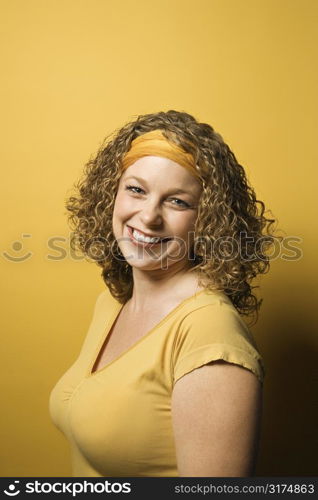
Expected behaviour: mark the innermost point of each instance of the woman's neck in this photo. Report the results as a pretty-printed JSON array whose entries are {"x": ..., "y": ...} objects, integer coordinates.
[{"x": 171, "y": 285}]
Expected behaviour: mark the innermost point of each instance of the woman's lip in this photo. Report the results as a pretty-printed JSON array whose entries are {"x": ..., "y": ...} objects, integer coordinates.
[
  {"x": 147, "y": 235},
  {"x": 136, "y": 242}
]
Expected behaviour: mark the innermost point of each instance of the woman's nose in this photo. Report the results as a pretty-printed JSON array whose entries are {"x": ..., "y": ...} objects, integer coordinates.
[{"x": 151, "y": 214}]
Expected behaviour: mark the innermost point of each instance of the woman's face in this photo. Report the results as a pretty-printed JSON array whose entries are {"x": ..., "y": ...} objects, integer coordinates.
[{"x": 156, "y": 198}]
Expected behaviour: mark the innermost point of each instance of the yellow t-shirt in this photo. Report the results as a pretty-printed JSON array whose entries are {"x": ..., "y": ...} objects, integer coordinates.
[{"x": 118, "y": 420}]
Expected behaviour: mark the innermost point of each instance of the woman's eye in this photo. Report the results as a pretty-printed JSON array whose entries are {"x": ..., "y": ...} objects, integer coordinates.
[
  {"x": 180, "y": 203},
  {"x": 134, "y": 189},
  {"x": 175, "y": 201}
]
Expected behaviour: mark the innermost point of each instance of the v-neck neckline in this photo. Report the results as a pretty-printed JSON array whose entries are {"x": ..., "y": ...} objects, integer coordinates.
[{"x": 111, "y": 324}]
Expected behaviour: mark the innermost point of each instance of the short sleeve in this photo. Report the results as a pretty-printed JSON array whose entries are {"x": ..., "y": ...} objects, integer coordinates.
[{"x": 215, "y": 332}]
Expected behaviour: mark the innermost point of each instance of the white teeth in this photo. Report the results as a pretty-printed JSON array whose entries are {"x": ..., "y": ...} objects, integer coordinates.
[{"x": 140, "y": 237}]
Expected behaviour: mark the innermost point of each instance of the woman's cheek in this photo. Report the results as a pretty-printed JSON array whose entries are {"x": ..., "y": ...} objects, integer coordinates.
[{"x": 123, "y": 203}]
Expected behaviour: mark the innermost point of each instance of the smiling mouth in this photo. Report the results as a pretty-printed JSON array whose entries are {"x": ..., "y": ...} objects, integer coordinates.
[{"x": 140, "y": 239}]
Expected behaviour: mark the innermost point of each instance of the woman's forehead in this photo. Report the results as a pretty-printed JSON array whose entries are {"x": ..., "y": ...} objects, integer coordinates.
[{"x": 161, "y": 170}]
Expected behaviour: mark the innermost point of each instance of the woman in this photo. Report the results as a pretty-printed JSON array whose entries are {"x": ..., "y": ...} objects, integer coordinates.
[{"x": 169, "y": 379}]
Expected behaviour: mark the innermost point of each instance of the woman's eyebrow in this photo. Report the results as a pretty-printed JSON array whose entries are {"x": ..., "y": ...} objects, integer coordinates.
[{"x": 171, "y": 191}]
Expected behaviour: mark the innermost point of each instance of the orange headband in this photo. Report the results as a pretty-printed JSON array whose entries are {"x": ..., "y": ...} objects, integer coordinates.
[{"x": 154, "y": 143}]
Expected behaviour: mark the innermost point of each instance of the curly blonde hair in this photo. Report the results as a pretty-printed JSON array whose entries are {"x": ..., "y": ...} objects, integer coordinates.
[{"x": 228, "y": 211}]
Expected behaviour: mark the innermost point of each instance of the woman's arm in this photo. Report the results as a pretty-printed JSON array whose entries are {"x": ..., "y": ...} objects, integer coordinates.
[{"x": 216, "y": 413}]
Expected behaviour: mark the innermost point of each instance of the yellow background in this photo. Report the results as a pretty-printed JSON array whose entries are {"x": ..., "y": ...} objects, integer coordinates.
[{"x": 75, "y": 70}]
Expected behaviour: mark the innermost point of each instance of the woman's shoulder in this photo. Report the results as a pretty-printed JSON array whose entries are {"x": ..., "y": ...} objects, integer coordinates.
[
  {"x": 105, "y": 300},
  {"x": 211, "y": 315},
  {"x": 209, "y": 302}
]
